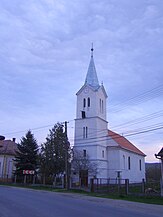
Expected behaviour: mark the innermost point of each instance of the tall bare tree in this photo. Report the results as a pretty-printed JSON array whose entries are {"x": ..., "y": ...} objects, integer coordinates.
[{"x": 83, "y": 163}]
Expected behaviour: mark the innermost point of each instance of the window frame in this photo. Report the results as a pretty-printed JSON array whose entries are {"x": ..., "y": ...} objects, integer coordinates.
[
  {"x": 84, "y": 152},
  {"x": 140, "y": 165},
  {"x": 129, "y": 163},
  {"x": 84, "y": 103},
  {"x": 89, "y": 102}
]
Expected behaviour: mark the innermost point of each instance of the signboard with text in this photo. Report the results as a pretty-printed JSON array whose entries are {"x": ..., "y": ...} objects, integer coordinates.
[{"x": 28, "y": 172}]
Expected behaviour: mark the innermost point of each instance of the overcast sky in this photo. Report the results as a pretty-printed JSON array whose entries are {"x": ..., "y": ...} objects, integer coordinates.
[{"x": 44, "y": 57}]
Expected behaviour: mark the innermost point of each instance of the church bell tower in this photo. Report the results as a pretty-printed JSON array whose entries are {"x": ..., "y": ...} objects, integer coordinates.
[{"x": 90, "y": 123}]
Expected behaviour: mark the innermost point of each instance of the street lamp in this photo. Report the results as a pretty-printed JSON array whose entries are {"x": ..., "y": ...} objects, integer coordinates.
[{"x": 160, "y": 157}]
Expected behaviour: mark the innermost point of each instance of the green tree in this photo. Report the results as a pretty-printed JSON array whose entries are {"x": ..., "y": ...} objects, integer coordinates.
[
  {"x": 53, "y": 153},
  {"x": 27, "y": 155},
  {"x": 153, "y": 172}
]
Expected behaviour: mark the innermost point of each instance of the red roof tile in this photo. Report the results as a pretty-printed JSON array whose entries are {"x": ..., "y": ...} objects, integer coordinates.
[
  {"x": 8, "y": 147},
  {"x": 124, "y": 143}
]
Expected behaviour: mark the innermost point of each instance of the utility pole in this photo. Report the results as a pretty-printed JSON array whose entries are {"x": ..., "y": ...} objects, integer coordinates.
[
  {"x": 66, "y": 159},
  {"x": 160, "y": 157}
]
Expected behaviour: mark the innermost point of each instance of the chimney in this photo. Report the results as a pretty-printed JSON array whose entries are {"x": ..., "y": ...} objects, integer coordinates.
[{"x": 13, "y": 139}]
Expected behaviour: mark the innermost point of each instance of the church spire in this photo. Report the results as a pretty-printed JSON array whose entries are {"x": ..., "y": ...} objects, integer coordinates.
[{"x": 91, "y": 77}]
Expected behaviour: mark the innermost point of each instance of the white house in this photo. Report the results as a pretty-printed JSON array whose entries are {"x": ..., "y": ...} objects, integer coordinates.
[
  {"x": 113, "y": 154},
  {"x": 8, "y": 150}
]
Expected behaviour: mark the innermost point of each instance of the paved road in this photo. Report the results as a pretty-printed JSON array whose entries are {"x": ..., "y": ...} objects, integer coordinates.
[{"x": 19, "y": 202}]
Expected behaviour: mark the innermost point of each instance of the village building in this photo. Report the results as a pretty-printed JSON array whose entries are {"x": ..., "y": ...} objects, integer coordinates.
[
  {"x": 114, "y": 155},
  {"x": 8, "y": 150}
]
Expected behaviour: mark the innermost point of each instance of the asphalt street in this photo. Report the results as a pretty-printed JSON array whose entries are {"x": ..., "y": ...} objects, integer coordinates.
[{"x": 20, "y": 202}]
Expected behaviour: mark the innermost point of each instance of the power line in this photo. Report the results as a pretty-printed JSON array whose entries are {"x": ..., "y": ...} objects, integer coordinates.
[
  {"x": 34, "y": 129},
  {"x": 141, "y": 98},
  {"x": 96, "y": 133},
  {"x": 119, "y": 136},
  {"x": 140, "y": 95},
  {"x": 148, "y": 117}
]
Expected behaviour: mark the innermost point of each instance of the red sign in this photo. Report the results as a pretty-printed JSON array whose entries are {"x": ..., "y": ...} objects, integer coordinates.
[{"x": 28, "y": 172}]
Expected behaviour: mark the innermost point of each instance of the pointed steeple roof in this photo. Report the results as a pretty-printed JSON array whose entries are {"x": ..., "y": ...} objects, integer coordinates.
[{"x": 91, "y": 77}]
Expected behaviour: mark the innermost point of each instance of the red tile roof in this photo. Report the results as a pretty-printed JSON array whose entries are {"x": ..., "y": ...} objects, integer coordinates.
[
  {"x": 124, "y": 143},
  {"x": 8, "y": 147}
]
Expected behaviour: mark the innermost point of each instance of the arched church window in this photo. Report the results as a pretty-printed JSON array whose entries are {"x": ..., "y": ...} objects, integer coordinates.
[
  {"x": 89, "y": 102},
  {"x": 129, "y": 163},
  {"x": 83, "y": 132},
  {"x": 140, "y": 165},
  {"x": 86, "y": 132},
  {"x": 84, "y": 102},
  {"x": 123, "y": 162},
  {"x": 102, "y": 106}
]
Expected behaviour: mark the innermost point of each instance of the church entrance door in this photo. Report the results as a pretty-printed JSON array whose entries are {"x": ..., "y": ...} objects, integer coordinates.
[{"x": 83, "y": 175}]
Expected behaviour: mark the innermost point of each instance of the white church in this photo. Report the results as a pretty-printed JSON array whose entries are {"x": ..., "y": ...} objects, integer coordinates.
[{"x": 113, "y": 154}]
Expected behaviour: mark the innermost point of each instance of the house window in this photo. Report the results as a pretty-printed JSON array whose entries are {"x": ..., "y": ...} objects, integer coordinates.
[
  {"x": 100, "y": 105},
  {"x": 84, "y": 102},
  {"x": 89, "y": 102},
  {"x": 103, "y": 153},
  {"x": 140, "y": 165},
  {"x": 84, "y": 153},
  {"x": 129, "y": 163},
  {"x": 9, "y": 172}
]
